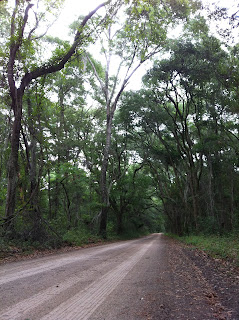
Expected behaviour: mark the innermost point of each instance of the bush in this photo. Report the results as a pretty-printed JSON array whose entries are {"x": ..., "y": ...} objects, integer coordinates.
[{"x": 79, "y": 237}]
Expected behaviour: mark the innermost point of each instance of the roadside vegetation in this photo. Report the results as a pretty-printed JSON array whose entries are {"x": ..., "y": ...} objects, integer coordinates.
[
  {"x": 224, "y": 247},
  {"x": 73, "y": 239}
]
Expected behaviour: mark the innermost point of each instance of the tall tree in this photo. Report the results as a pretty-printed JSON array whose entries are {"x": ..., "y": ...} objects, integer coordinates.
[
  {"x": 181, "y": 125},
  {"x": 22, "y": 37},
  {"x": 142, "y": 35}
]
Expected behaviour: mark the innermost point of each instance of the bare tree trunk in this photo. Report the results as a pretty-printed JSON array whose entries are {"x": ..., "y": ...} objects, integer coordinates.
[
  {"x": 120, "y": 217},
  {"x": 104, "y": 186},
  {"x": 49, "y": 194},
  {"x": 68, "y": 204},
  {"x": 193, "y": 182},
  {"x": 210, "y": 192},
  {"x": 35, "y": 213}
]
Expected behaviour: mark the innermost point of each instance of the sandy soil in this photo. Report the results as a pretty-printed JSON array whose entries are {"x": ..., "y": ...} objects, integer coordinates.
[{"x": 150, "y": 278}]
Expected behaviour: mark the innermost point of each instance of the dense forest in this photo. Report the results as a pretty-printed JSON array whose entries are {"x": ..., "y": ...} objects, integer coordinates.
[{"x": 82, "y": 155}]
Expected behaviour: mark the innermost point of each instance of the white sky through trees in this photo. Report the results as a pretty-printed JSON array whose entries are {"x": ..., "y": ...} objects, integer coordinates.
[{"x": 72, "y": 9}]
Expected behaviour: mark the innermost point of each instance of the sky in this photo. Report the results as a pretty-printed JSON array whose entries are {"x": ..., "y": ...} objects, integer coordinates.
[{"x": 72, "y": 9}]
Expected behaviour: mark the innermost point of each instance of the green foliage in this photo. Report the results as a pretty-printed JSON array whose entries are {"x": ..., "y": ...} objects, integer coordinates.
[
  {"x": 182, "y": 125},
  {"x": 80, "y": 237},
  {"x": 197, "y": 27},
  {"x": 226, "y": 247}
]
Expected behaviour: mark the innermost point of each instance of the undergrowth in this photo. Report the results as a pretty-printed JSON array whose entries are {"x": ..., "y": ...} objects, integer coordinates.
[
  {"x": 225, "y": 247},
  {"x": 73, "y": 237}
]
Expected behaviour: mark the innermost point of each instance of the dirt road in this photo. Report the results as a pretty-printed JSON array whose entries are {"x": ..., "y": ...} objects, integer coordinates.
[{"x": 148, "y": 278}]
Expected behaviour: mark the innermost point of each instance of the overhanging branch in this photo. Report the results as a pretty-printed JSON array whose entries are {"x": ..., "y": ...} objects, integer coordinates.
[{"x": 47, "y": 69}]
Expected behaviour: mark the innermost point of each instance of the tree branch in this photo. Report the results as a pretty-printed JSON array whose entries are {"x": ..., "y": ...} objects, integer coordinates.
[{"x": 51, "y": 68}]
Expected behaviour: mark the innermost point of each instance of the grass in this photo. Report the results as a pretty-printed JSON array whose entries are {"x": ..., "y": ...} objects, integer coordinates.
[{"x": 224, "y": 247}]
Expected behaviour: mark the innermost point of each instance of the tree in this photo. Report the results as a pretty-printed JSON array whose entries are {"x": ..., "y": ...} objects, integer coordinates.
[
  {"x": 21, "y": 41},
  {"x": 181, "y": 124},
  {"x": 142, "y": 35}
]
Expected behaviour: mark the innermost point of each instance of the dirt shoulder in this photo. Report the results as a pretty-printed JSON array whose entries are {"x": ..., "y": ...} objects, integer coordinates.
[
  {"x": 222, "y": 277},
  {"x": 170, "y": 284}
]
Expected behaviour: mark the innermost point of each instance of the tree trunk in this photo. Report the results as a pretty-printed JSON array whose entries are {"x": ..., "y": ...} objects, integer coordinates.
[
  {"x": 232, "y": 224},
  {"x": 104, "y": 186},
  {"x": 67, "y": 205},
  {"x": 50, "y": 215},
  {"x": 210, "y": 191},
  {"x": 35, "y": 214},
  {"x": 120, "y": 217},
  {"x": 193, "y": 182},
  {"x": 12, "y": 175}
]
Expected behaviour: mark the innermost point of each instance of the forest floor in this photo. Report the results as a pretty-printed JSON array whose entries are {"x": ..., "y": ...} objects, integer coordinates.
[{"x": 160, "y": 278}]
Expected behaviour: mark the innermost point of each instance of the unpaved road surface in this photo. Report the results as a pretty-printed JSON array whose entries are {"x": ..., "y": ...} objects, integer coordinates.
[{"x": 148, "y": 278}]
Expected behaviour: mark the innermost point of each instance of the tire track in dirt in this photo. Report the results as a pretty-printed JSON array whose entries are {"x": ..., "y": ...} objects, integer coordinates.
[
  {"x": 25, "y": 306},
  {"x": 57, "y": 293},
  {"x": 82, "y": 305},
  {"x": 50, "y": 265}
]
